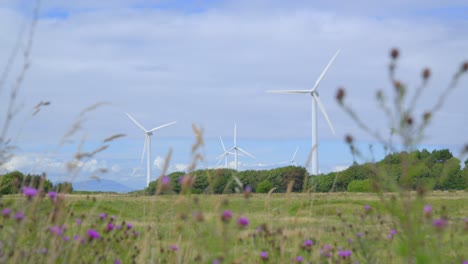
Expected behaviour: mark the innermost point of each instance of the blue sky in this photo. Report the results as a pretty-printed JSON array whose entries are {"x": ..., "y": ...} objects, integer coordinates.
[{"x": 211, "y": 63}]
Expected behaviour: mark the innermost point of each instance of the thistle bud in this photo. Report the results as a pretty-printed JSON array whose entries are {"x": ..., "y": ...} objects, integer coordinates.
[
  {"x": 426, "y": 73},
  {"x": 349, "y": 139},
  {"x": 340, "y": 94},
  {"x": 394, "y": 53},
  {"x": 465, "y": 67}
]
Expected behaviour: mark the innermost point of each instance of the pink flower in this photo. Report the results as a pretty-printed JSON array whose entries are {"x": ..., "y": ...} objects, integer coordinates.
[
  {"x": 29, "y": 192},
  {"x": 93, "y": 234},
  {"x": 227, "y": 215},
  {"x": 242, "y": 221}
]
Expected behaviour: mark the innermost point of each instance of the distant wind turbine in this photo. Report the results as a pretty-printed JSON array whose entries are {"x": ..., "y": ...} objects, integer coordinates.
[
  {"x": 315, "y": 101},
  {"x": 292, "y": 160},
  {"x": 147, "y": 145},
  {"x": 224, "y": 155},
  {"x": 236, "y": 149}
]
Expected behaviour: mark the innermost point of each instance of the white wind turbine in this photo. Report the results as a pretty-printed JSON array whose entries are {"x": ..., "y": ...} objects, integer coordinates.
[
  {"x": 315, "y": 101},
  {"x": 147, "y": 145},
  {"x": 236, "y": 149},
  {"x": 224, "y": 155},
  {"x": 292, "y": 160}
]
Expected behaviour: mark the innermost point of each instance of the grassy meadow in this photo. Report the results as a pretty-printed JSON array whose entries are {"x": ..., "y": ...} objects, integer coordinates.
[{"x": 275, "y": 228}]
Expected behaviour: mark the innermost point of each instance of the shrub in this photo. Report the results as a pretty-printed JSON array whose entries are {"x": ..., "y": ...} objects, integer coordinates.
[
  {"x": 359, "y": 186},
  {"x": 264, "y": 186}
]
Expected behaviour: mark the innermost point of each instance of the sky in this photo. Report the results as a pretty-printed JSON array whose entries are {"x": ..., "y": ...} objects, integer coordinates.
[{"x": 210, "y": 63}]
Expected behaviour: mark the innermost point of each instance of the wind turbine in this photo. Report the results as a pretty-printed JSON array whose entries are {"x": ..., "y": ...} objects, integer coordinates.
[
  {"x": 147, "y": 145},
  {"x": 236, "y": 149},
  {"x": 292, "y": 160},
  {"x": 224, "y": 155},
  {"x": 315, "y": 101}
]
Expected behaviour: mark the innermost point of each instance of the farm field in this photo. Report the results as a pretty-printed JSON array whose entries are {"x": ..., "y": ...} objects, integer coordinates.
[{"x": 280, "y": 228}]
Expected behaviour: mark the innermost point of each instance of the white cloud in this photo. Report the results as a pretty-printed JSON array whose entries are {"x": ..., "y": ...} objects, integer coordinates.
[{"x": 339, "y": 168}]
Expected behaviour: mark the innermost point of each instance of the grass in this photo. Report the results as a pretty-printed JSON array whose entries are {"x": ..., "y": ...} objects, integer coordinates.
[{"x": 278, "y": 224}]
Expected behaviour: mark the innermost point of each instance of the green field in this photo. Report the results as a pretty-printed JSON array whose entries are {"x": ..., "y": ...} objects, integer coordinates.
[{"x": 190, "y": 228}]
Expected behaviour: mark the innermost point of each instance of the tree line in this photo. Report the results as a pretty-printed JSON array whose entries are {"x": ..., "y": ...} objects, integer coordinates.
[
  {"x": 12, "y": 183},
  {"x": 438, "y": 170}
]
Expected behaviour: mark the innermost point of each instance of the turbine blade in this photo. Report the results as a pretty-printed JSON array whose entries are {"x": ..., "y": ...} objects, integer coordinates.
[
  {"x": 319, "y": 102},
  {"x": 325, "y": 71},
  {"x": 136, "y": 123},
  {"x": 222, "y": 143},
  {"x": 219, "y": 161},
  {"x": 227, "y": 152},
  {"x": 235, "y": 134},
  {"x": 159, "y": 127},
  {"x": 294, "y": 156},
  {"x": 144, "y": 148},
  {"x": 289, "y": 91},
  {"x": 245, "y": 152}
]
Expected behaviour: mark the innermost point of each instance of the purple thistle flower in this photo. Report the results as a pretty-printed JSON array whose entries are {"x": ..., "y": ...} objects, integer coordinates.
[
  {"x": 18, "y": 216},
  {"x": 76, "y": 237},
  {"x": 264, "y": 255},
  {"x": 110, "y": 227},
  {"x": 359, "y": 234},
  {"x": 174, "y": 247},
  {"x": 465, "y": 262},
  {"x": 29, "y": 192},
  {"x": 56, "y": 230},
  {"x": 345, "y": 253},
  {"x": 65, "y": 238},
  {"x": 136, "y": 233},
  {"x": 227, "y": 215},
  {"x": 118, "y": 227},
  {"x": 242, "y": 221},
  {"x": 117, "y": 262},
  {"x": 44, "y": 250},
  {"x": 393, "y": 232},
  {"x": 78, "y": 221},
  {"x": 129, "y": 226},
  {"x": 390, "y": 237},
  {"x": 350, "y": 240},
  {"x": 367, "y": 208},
  {"x": 308, "y": 243},
  {"x": 52, "y": 195},
  {"x": 102, "y": 215},
  {"x": 427, "y": 210},
  {"x": 165, "y": 180},
  {"x": 299, "y": 259},
  {"x": 216, "y": 261},
  {"x": 439, "y": 223},
  {"x": 93, "y": 234},
  {"x": 6, "y": 212}
]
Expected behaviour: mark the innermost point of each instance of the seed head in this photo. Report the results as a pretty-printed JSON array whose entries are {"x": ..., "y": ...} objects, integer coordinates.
[
  {"x": 426, "y": 73},
  {"x": 340, "y": 94},
  {"x": 394, "y": 53},
  {"x": 464, "y": 67}
]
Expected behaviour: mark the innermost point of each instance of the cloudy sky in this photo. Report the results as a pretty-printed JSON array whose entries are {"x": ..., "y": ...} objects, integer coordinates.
[{"x": 210, "y": 63}]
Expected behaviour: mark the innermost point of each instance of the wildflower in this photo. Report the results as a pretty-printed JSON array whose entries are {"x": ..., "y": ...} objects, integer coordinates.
[
  {"x": 359, "y": 234},
  {"x": 117, "y": 261},
  {"x": 102, "y": 215},
  {"x": 174, "y": 247},
  {"x": 390, "y": 237},
  {"x": 426, "y": 73},
  {"x": 308, "y": 243},
  {"x": 427, "y": 210},
  {"x": 65, "y": 238},
  {"x": 325, "y": 251},
  {"x": 242, "y": 221},
  {"x": 227, "y": 215},
  {"x": 350, "y": 240},
  {"x": 264, "y": 255},
  {"x": 136, "y": 233},
  {"x": 299, "y": 259},
  {"x": 393, "y": 232},
  {"x": 340, "y": 94},
  {"x": 165, "y": 180},
  {"x": 29, "y": 192},
  {"x": 367, "y": 208},
  {"x": 78, "y": 221},
  {"x": 129, "y": 226},
  {"x": 56, "y": 230},
  {"x": 6, "y": 212},
  {"x": 76, "y": 237},
  {"x": 439, "y": 223},
  {"x": 93, "y": 234},
  {"x": 247, "y": 191},
  {"x": 345, "y": 253},
  {"x": 186, "y": 181},
  {"x": 394, "y": 53},
  {"x": 109, "y": 227},
  {"x": 44, "y": 250},
  {"x": 18, "y": 216},
  {"x": 52, "y": 195},
  {"x": 216, "y": 261}
]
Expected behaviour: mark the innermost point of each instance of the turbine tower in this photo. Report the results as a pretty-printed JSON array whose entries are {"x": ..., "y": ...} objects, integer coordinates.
[
  {"x": 236, "y": 149},
  {"x": 315, "y": 101},
  {"x": 147, "y": 145}
]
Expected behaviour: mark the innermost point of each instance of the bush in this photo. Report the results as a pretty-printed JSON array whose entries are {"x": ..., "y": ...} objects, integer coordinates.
[
  {"x": 359, "y": 186},
  {"x": 264, "y": 186}
]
